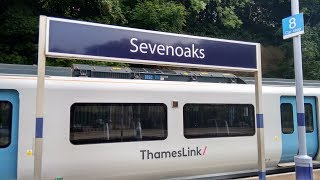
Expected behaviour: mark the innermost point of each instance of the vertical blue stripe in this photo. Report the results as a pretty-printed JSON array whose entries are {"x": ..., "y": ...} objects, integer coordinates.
[
  {"x": 304, "y": 173},
  {"x": 301, "y": 119},
  {"x": 39, "y": 127},
  {"x": 262, "y": 175},
  {"x": 259, "y": 120}
]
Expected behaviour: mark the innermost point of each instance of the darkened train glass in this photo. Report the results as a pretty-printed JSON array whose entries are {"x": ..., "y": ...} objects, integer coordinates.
[
  {"x": 308, "y": 117},
  {"x": 287, "y": 125},
  {"x": 286, "y": 118},
  {"x": 117, "y": 122},
  {"x": 218, "y": 120},
  {"x": 5, "y": 123}
]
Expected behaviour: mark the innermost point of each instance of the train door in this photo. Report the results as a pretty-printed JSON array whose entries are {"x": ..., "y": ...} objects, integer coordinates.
[
  {"x": 289, "y": 128},
  {"x": 9, "y": 111}
]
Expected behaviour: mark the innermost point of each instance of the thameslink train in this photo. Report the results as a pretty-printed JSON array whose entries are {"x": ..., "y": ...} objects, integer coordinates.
[{"x": 111, "y": 128}]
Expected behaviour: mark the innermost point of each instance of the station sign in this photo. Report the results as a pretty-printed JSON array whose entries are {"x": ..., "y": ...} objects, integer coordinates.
[
  {"x": 84, "y": 40},
  {"x": 292, "y": 26}
]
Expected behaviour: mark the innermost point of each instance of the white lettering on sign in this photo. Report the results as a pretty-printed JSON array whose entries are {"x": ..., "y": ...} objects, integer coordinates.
[{"x": 147, "y": 48}]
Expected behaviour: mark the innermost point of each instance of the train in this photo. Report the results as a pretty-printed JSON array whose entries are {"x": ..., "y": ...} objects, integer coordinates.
[{"x": 150, "y": 127}]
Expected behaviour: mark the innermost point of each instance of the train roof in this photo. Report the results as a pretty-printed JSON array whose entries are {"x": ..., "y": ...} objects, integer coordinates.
[
  {"x": 31, "y": 70},
  {"x": 281, "y": 82},
  {"x": 163, "y": 74}
]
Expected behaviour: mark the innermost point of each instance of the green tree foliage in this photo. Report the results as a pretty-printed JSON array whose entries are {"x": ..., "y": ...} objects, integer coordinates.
[
  {"x": 311, "y": 69},
  {"x": 215, "y": 18},
  {"x": 311, "y": 43},
  {"x": 101, "y": 11},
  {"x": 18, "y": 32},
  {"x": 247, "y": 20},
  {"x": 198, "y": 5},
  {"x": 159, "y": 15}
]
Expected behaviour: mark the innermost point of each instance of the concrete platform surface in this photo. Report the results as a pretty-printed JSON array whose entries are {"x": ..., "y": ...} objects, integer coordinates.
[{"x": 287, "y": 176}]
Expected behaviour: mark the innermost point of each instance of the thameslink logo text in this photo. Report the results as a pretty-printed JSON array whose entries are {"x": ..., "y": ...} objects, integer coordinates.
[{"x": 184, "y": 152}]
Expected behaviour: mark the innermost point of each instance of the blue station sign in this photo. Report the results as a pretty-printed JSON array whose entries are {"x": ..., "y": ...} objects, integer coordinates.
[
  {"x": 77, "y": 39},
  {"x": 292, "y": 26}
]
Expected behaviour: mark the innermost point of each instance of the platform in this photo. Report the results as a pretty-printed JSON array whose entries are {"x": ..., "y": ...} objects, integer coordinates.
[{"x": 286, "y": 176}]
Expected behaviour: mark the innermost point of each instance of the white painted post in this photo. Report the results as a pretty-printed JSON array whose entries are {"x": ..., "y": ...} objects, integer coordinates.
[
  {"x": 259, "y": 117},
  {"x": 40, "y": 99},
  {"x": 302, "y": 160}
]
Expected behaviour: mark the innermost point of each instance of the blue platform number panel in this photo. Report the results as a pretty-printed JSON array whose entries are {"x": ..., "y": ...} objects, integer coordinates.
[
  {"x": 292, "y": 26},
  {"x": 9, "y": 108},
  {"x": 289, "y": 127}
]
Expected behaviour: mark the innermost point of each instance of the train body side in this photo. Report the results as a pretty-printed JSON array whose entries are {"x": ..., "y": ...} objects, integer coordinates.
[{"x": 121, "y": 160}]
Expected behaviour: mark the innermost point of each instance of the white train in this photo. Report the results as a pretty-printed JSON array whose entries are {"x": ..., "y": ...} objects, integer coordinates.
[{"x": 98, "y": 128}]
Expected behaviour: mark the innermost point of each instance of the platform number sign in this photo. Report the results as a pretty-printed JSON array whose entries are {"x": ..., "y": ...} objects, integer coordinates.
[{"x": 292, "y": 26}]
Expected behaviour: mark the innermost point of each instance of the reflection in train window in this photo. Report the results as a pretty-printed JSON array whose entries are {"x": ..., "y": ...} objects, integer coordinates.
[
  {"x": 218, "y": 120},
  {"x": 5, "y": 123},
  {"x": 308, "y": 117},
  {"x": 287, "y": 118},
  {"x": 104, "y": 123}
]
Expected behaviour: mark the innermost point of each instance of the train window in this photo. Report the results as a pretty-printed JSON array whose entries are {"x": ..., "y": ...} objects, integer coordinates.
[
  {"x": 308, "y": 117},
  {"x": 116, "y": 122},
  {"x": 286, "y": 118},
  {"x": 5, "y": 123},
  {"x": 218, "y": 120}
]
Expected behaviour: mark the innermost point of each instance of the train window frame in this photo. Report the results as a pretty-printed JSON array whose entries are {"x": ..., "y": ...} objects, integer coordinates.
[
  {"x": 9, "y": 125},
  {"x": 251, "y": 114},
  {"x": 305, "y": 109},
  {"x": 292, "y": 119},
  {"x": 122, "y": 131}
]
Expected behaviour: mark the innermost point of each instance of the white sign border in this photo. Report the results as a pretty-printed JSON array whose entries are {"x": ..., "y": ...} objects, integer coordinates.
[{"x": 293, "y": 34}]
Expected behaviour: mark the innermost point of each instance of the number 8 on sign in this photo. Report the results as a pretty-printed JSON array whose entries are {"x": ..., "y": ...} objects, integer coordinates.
[{"x": 292, "y": 23}]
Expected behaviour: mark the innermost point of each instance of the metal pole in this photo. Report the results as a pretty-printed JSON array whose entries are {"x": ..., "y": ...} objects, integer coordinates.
[
  {"x": 259, "y": 117},
  {"x": 40, "y": 95},
  {"x": 302, "y": 160}
]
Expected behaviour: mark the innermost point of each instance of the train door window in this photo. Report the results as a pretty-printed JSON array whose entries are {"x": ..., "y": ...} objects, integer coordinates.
[
  {"x": 5, "y": 123},
  {"x": 308, "y": 117},
  {"x": 105, "y": 123},
  {"x": 218, "y": 120},
  {"x": 287, "y": 118}
]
